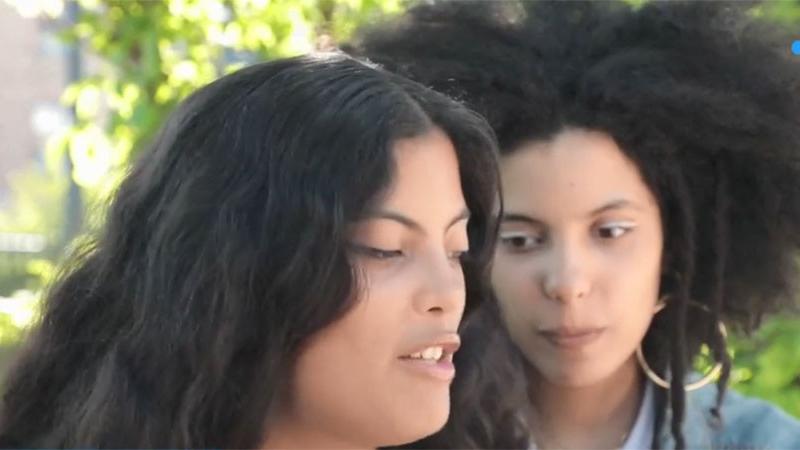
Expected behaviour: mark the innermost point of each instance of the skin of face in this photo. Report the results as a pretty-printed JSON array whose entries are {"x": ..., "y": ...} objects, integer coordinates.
[
  {"x": 578, "y": 265},
  {"x": 354, "y": 385}
]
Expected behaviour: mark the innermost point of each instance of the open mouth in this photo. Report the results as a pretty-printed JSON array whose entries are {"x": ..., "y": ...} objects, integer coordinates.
[
  {"x": 435, "y": 361},
  {"x": 433, "y": 354}
]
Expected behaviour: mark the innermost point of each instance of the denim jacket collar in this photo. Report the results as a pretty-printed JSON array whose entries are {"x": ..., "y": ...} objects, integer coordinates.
[{"x": 746, "y": 423}]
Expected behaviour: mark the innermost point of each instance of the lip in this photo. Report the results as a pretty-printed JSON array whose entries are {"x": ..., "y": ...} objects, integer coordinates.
[
  {"x": 441, "y": 370},
  {"x": 567, "y": 338}
]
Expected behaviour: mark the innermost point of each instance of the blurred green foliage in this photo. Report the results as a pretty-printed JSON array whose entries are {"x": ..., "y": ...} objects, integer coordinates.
[
  {"x": 767, "y": 364},
  {"x": 152, "y": 54},
  {"x": 145, "y": 56}
]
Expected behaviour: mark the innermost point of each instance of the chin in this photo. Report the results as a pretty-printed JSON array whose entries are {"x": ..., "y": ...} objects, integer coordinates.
[
  {"x": 574, "y": 375},
  {"x": 425, "y": 419},
  {"x": 574, "y": 380}
]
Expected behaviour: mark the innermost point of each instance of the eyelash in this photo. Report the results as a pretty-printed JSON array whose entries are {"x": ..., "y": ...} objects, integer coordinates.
[
  {"x": 626, "y": 228},
  {"x": 459, "y": 255},
  {"x": 382, "y": 254},
  {"x": 529, "y": 241},
  {"x": 378, "y": 253}
]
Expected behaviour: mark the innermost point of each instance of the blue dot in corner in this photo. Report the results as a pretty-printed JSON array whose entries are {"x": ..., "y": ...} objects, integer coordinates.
[{"x": 796, "y": 47}]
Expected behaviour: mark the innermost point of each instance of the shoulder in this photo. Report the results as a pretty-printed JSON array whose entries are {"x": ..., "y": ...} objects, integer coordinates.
[{"x": 748, "y": 422}]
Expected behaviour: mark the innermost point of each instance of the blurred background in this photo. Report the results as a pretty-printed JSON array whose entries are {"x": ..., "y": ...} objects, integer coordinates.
[{"x": 86, "y": 84}]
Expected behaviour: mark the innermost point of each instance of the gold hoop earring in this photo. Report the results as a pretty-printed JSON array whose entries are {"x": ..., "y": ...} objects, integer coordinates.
[{"x": 707, "y": 378}]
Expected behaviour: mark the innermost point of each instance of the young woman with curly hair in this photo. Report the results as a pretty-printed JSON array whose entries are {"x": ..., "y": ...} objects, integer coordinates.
[
  {"x": 286, "y": 267},
  {"x": 651, "y": 186}
]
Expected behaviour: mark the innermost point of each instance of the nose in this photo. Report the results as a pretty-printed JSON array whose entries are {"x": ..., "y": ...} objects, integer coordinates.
[
  {"x": 565, "y": 276},
  {"x": 441, "y": 289}
]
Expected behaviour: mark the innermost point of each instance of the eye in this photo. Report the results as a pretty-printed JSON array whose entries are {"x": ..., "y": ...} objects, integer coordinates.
[
  {"x": 521, "y": 242},
  {"x": 458, "y": 255},
  {"x": 615, "y": 230},
  {"x": 376, "y": 253}
]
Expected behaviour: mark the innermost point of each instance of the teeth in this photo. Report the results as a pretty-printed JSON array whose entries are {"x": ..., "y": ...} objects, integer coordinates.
[
  {"x": 429, "y": 354},
  {"x": 432, "y": 353}
]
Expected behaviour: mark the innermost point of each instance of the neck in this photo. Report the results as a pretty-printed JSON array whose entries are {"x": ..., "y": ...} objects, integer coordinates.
[
  {"x": 595, "y": 416},
  {"x": 291, "y": 435}
]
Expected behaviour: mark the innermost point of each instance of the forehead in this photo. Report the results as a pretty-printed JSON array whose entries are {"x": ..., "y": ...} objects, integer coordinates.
[
  {"x": 576, "y": 171},
  {"x": 425, "y": 175}
]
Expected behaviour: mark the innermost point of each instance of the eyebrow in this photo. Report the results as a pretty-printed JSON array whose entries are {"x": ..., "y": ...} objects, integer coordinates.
[
  {"x": 615, "y": 204},
  {"x": 610, "y": 206},
  {"x": 517, "y": 217},
  {"x": 410, "y": 223}
]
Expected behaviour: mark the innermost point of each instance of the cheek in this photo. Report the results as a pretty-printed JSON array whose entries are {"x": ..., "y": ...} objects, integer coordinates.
[
  {"x": 514, "y": 286},
  {"x": 349, "y": 378},
  {"x": 345, "y": 350},
  {"x": 631, "y": 284},
  {"x": 339, "y": 377}
]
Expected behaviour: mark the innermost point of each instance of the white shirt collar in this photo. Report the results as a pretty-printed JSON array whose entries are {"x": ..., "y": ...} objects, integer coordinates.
[{"x": 641, "y": 435}]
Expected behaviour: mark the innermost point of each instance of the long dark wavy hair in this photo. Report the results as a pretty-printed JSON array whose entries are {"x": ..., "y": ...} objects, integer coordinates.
[
  {"x": 702, "y": 96},
  {"x": 224, "y": 249}
]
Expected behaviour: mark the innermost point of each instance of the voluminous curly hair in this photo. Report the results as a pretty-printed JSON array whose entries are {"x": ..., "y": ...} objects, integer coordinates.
[{"x": 702, "y": 96}]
